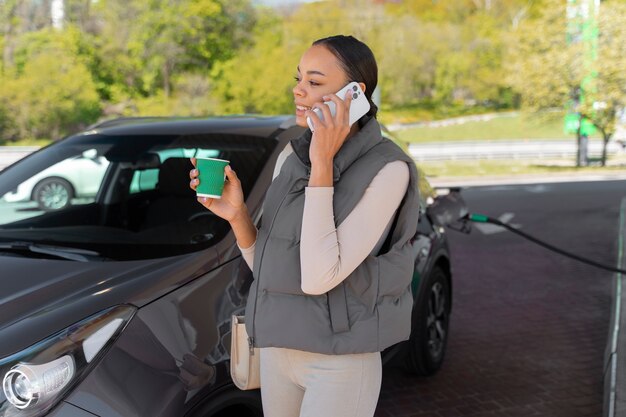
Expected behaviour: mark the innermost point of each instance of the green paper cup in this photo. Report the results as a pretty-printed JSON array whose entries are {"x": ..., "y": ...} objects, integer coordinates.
[{"x": 211, "y": 175}]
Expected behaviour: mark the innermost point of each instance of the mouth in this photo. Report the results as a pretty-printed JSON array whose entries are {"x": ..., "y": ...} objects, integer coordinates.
[{"x": 302, "y": 109}]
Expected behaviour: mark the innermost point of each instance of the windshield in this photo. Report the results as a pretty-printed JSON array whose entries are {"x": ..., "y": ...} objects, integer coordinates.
[{"x": 125, "y": 197}]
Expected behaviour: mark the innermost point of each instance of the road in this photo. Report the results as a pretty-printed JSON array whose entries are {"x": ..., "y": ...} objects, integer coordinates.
[
  {"x": 529, "y": 327},
  {"x": 10, "y": 154}
]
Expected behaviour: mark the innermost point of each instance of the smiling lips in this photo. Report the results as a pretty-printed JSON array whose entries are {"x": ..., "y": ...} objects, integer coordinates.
[{"x": 302, "y": 108}]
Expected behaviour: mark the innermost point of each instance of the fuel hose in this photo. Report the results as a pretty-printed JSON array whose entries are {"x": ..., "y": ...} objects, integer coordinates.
[{"x": 480, "y": 218}]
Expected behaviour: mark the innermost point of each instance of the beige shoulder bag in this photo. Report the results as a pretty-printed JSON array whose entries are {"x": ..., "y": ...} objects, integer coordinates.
[{"x": 244, "y": 366}]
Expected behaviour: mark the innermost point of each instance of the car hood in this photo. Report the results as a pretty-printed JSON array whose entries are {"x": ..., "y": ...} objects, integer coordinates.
[{"x": 39, "y": 297}]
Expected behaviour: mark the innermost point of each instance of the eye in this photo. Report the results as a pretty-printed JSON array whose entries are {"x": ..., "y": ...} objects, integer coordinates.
[{"x": 311, "y": 82}]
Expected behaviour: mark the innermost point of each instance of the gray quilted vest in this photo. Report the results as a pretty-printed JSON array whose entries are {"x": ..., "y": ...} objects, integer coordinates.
[{"x": 371, "y": 309}]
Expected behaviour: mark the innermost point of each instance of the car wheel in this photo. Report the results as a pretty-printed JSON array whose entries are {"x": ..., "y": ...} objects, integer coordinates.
[
  {"x": 232, "y": 403},
  {"x": 53, "y": 194},
  {"x": 429, "y": 333}
]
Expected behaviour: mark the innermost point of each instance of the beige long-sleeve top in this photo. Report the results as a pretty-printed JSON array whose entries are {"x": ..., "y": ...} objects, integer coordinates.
[{"x": 328, "y": 254}]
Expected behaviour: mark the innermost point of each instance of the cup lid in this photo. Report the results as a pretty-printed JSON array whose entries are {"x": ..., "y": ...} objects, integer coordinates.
[{"x": 212, "y": 159}]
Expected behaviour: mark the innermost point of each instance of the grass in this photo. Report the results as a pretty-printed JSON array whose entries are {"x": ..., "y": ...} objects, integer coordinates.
[
  {"x": 427, "y": 111},
  {"x": 481, "y": 168},
  {"x": 505, "y": 126}
]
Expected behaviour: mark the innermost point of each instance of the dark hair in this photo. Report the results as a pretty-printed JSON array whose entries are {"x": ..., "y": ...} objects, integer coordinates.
[{"x": 357, "y": 60}]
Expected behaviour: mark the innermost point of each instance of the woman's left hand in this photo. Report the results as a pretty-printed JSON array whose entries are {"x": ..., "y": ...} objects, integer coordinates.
[{"x": 330, "y": 133}]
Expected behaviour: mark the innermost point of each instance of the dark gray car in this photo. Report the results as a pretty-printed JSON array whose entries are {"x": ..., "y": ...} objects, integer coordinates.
[{"x": 119, "y": 304}]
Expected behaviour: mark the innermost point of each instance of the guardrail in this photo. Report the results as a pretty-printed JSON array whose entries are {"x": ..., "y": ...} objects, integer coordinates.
[{"x": 507, "y": 149}]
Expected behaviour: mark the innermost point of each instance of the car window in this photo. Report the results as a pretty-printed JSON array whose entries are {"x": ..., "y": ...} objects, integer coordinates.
[
  {"x": 72, "y": 180},
  {"x": 126, "y": 197},
  {"x": 147, "y": 179},
  {"x": 144, "y": 180}
]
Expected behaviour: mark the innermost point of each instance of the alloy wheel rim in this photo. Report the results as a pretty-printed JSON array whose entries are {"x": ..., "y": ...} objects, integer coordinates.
[
  {"x": 436, "y": 320},
  {"x": 54, "y": 196}
]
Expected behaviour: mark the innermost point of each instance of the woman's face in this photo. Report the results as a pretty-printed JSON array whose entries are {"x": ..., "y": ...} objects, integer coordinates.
[{"x": 319, "y": 74}]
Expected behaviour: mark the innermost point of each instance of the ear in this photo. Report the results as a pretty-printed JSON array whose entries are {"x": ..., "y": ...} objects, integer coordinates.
[{"x": 362, "y": 85}]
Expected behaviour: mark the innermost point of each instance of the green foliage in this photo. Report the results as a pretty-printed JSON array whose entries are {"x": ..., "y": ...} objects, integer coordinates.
[
  {"x": 548, "y": 71},
  {"x": 607, "y": 90},
  {"x": 49, "y": 104},
  {"x": 49, "y": 90},
  {"x": 111, "y": 58},
  {"x": 542, "y": 66},
  {"x": 200, "y": 57},
  {"x": 258, "y": 79},
  {"x": 449, "y": 53},
  {"x": 190, "y": 98},
  {"x": 407, "y": 58},
  {"x": 166, "y": 38}
]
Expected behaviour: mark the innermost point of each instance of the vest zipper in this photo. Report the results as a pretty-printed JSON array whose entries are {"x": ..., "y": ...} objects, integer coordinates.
[{"x": 252, "y": 337}]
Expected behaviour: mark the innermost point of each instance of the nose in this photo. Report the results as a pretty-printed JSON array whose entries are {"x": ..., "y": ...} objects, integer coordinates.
[{"x": 298, "y": 91}]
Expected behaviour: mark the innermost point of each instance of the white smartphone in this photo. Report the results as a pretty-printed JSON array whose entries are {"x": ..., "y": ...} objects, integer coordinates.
[{"x": 358, "y": 107}]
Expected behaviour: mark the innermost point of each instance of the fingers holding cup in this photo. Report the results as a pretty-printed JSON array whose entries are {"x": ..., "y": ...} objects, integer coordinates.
[{"x": 193, "y": 184}]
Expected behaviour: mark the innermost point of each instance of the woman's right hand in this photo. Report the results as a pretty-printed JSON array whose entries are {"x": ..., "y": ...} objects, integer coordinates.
[{"x": 231, "y": 205}]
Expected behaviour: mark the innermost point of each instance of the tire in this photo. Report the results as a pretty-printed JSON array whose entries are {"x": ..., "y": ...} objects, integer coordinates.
[
  {"x": 232, "y": 403},
  {"x": 430, "y": 320},
  {"x": 53, "y": 194}
]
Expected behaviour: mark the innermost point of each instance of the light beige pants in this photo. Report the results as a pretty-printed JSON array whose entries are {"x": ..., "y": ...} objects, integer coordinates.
[{"x": 304, "y": 384}]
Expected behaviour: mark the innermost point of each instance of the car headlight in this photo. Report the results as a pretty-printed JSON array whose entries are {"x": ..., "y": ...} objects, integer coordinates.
[{"x": 37, "y": 378}]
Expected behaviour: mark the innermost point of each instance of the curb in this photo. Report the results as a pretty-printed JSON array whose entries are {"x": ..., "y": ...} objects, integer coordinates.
[{"x": 614, "y": 357}]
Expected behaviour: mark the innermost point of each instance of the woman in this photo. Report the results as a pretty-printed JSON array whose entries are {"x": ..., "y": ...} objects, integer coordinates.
[{"x": 333, "y": 258}]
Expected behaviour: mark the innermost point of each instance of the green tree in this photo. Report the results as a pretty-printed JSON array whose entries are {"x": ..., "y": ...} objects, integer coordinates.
[
  {"x": 49, "y": 90},
  {"x": 191, "y": 96},
  {"x": 607, "y": 92},
  {"x": 9, "y": 29},
  {"x": 449, "y": 52},
  {"x": 165, "y": 38},
  {"x": 259, "y": 78},
  {"x": 547, "y": 70}
]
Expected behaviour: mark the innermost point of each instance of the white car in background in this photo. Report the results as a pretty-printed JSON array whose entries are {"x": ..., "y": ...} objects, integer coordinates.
[{"x": 55, "y": 187}]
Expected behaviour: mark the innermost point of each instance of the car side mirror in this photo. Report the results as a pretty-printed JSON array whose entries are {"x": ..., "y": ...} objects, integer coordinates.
[{"x": 447, "y": 209}]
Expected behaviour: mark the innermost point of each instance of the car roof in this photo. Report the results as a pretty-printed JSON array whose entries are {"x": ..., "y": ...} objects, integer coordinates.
[{"x": 243, "y": 124}]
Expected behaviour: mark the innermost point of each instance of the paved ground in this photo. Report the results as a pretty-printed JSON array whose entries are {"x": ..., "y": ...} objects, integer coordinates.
[{"x": 529, "y": 327}]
